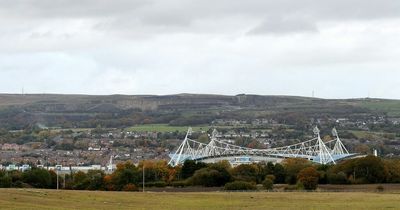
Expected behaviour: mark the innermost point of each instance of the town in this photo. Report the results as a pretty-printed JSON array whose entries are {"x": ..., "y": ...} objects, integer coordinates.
[{"x": 94, "y": 148}]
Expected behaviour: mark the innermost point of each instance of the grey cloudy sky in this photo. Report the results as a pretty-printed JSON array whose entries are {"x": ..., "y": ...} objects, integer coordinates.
[{"x": 339, "y": 48}]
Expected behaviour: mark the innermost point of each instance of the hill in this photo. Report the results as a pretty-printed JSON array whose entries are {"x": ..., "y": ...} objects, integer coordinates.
[{"x": 66, "y": 111}]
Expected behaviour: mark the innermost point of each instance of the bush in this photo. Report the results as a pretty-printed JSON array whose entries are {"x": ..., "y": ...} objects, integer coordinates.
[
  {"x": 130, "y": 187},
  {"x": 190, "y": 167},
  {"x": 38, "y": 178},
  {"x": 290, "y": 187},
  {"x": 365, "y": 170},
  {"x": 308, "y": 177},
  {"x": 271, "y": 177},
  {"x": 18, "y": 184},
  {"x": 268, "y": 184},
  {"x": 179, "y": 184},
  {"x": 208, "y": 177},
  {"x": 380, "y": 188},
  {"x": 245, "y": 172},
  {"x": 300, "y": 186},
  {"x": 156, "y": 184},
  {"x": 5, "y": 182},
  {"x": 339, "y": 178},
  {"x": 292, "y": 168},
  {"x": 240, "y": 185}
]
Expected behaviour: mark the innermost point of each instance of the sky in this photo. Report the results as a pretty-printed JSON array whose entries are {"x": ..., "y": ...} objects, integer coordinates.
[{"x": 334, "y": 48}]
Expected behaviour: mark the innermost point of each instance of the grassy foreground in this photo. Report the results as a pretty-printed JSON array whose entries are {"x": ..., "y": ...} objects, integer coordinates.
[{"x": 51, "y": 199}]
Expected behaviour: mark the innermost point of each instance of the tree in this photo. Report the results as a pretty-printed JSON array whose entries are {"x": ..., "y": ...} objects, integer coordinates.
[
  {"x": 214, "y": 175},
  {"x": 224, "y": 168},
  {"x": 292, "y": 167},
  {"x": 366, "y": 170},
  {"x": 308, "y": 177},
  {"x": 39, "y": 178},
  {"x": 370, "y": 169},
  {"x": 80, "y": 181},
  {"x": 95, "y": 180},
  {"x": 279, "y": 173},
  {"x": 268, "y": 184},
  {"x": 155, "y": 170},
  {"x": 5, "y": 180},
  {"x": 205, "y": 177},
  {"x": 337, "y": 178},
  {"x": 130, "y": 187},
  {"x": 393, "y": 167},
  {"x": 191, "y": 166},
  {"x": 108, "y": 183},
  {"x": 246, "y": 172},
  {"x": 126, "y": 173}
]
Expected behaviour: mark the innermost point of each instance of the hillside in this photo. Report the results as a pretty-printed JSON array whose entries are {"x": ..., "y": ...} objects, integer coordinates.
[{"x": 19, "y": 111}]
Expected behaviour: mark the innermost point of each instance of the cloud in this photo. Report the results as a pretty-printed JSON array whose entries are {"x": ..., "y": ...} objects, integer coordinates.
[
  {"x": 337, "y": 48},
  {"x": 283, "y": 26},
  {"x": 185, "y": 13}
]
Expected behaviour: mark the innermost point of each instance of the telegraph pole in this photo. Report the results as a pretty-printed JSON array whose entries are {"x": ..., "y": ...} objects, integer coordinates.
[
  {"x": 64, "y": 181},
  {"x": 57, "y": 179},
  {"x": 143, "y": 174}
]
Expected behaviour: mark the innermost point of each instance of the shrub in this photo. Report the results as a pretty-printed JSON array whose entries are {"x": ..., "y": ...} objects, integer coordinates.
[
  {"x": 339, "y": 178},
  {"x": 5, "y": 182},
  {"x": 156, "y": 184},
  {"x": 271, "y": 177},
  {"x": 179, "y": 184},
  {"x": 190, "y": 167},
  {"x": 208, "y": 177},
  {"x": 268, "y": 184},
  {"x": 17, "y": 184},
  {"x": 130, "y": 187},
  {"x": 300, "y": 186},
  {"x": 380, "y": 188},
  {"x": 245, "y": 172},
  {"x": 39, "y": 178},
  {"x": 290, "y": 187},
  {"x": 240, "y": 185},
  {"x": 292, "y": 168},
  {"x": 308, "y": 177}
]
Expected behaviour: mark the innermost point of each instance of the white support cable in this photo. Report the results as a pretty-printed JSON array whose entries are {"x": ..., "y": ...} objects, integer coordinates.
[{"x": 310, "y": 149}]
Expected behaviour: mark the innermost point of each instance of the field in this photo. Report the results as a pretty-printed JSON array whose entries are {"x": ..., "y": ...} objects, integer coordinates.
[
  {"x": 52, "y": 199},
  {"x": 165, "y": 128},
  {"x": 370, "y": 135},
  {"x": 169, "y": 128},
  {"x": 391, "y": 107}
]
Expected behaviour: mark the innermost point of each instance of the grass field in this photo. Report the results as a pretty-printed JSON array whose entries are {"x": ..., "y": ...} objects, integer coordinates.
[
  {"x": 392, "y": 107},
  {"x": 51, "y": 199},
  {"x": 169, "y": 128},
  {"x": 165, "y": 128}
]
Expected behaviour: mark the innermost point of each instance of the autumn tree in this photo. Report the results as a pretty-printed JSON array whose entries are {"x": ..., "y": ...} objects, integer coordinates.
[
  {"x": 368, "y": 169},
  {"x": 308, "y": 177},
  {"x": 292, "y": 167},
  {"x": 393, "y": 169},
  {"x": 126, "y": 173},
  {"x": 246, "y": 172}
]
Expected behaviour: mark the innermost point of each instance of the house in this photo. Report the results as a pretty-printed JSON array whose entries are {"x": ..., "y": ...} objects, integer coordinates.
[{"x": 10, "y": 147}]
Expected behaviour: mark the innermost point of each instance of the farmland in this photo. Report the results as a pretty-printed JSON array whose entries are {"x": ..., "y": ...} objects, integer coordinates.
[
  {"x": 164, "y": 128},
  {"x": 51, "y": 199}
]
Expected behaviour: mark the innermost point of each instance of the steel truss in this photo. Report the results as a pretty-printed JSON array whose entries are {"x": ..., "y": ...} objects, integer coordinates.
[{"x": 314, "y": 149}]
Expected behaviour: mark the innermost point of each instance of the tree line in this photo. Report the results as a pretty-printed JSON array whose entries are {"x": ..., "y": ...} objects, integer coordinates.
[{"x": 297, "y": 173}]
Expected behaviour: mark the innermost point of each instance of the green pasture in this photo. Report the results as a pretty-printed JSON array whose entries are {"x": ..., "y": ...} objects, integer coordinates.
[{"x": 52, "y": 199}]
